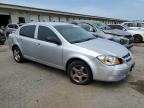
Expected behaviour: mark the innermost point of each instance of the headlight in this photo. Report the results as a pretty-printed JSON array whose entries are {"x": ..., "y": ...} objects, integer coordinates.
[{"x": 110, "y": 60}]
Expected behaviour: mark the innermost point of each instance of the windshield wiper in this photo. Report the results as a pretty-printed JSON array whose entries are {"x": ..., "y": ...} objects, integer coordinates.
[{"x": 90, "y": 39}]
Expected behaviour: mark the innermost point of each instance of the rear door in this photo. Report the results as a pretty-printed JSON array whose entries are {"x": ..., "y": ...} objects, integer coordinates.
[{"x": 27, "y": 40}]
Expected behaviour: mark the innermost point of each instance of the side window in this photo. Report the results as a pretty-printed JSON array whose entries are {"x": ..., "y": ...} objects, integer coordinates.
[
  {"x": 131, "y": 25},
  {"x": 87, "y": 27},
  {"x": 140, "y": 24},
  {"x": 119, "y": 27},
  {"x": 44, "y": 33},
  {"x": 28, "y": 31}
]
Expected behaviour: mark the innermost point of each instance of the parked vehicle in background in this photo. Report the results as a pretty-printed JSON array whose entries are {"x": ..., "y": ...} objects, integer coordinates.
[
  {"x": 68, "y": 47},
  {"x": 104, "y": 31},
  {"x": 2, "y": 36},
  {"x": 133, "y": 25},
  {"x": 138, "y": 34},
  {"x": 11, "y": 28},
  {"x": 117, "y": 26}
]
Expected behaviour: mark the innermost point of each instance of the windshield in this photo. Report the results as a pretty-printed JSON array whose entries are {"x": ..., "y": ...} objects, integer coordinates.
[
  {"x": 74, "y": 34},
  {"x": 102, "y": 26}
]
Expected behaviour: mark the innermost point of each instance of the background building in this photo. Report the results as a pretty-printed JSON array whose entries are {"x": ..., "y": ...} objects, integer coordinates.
[{"x": 22, "y": 14}]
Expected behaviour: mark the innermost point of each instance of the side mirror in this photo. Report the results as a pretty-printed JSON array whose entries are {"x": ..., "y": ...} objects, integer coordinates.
[{"x": 53, "y": 39}]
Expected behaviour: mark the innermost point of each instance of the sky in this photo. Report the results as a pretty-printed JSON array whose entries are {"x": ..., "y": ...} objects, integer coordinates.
[{"x": 122, "y": 9}]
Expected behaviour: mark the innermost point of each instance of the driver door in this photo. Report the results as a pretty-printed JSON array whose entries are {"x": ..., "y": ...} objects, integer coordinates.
[{"x": 47, "y": 51}]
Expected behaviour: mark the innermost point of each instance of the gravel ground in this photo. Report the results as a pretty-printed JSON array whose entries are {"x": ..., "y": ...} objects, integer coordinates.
[{"x": 31, "y": 85}]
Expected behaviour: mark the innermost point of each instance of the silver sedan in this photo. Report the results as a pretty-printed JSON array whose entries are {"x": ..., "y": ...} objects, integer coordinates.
[{"x": 70, "y": 48}]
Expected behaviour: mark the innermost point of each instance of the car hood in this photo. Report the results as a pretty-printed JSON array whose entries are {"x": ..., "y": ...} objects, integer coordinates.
[
  {"x": 103, "y": 35},
  {"x": 117, "y": 32},
  {"x": 104, "y": 47}
]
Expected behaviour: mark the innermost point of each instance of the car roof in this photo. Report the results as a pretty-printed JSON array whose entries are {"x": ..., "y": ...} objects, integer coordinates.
[
  {"x": 48, "y": 23},
  {"x": 115, "y": 24},
  {"x": 134, "y": 22},
  {"x": 85, "y": 21}
]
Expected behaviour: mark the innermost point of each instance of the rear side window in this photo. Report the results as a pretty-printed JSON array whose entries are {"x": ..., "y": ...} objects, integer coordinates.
[
  {"x": 131, "y": 24},
  {"x": 44, "y": 33},
  {"x": 28, "y": 31}
]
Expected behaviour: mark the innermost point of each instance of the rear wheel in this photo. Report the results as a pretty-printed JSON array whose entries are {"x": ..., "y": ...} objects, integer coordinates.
[
  {"x": 79, "y": 73},
  {"x": 18, "y": 57},
  {"x": 1, "y": 43},
  {"x": 137, "y": 38}
]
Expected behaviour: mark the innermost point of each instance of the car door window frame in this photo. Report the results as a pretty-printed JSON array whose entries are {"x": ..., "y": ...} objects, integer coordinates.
[
  {"x": 27, "y": 36},
  {"x": 51, "y": 31}
]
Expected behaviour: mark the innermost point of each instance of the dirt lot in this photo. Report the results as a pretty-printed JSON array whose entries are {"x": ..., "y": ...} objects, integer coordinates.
[{"x": 31, "y": 85}]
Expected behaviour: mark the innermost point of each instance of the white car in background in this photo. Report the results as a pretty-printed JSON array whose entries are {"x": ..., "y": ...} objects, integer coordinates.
[
  {"x": 138, "y": 34},
  {"x": 12, "y": 27},
  {"x": 134, "y": 25}
]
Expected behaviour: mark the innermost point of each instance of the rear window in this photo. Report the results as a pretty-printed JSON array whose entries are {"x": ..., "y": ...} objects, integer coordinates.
[
  {"x": 131, "y": 24},
  {"x": 140, "y": 25},
  {"x": 13, "y": 26},
  {"x": 28, "y": 31}
]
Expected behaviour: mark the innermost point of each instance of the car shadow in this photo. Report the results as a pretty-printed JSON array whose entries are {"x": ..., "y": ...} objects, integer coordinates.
[
  {"x": 61, "y": 73},
  {"x": 110, "y": 85},
  {"x": 47, "y": 68}
]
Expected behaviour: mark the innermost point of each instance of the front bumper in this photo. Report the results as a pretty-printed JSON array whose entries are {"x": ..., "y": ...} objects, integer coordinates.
[
  {"x": 112, "y": 73},
  {"x": 129, "y": 45}
]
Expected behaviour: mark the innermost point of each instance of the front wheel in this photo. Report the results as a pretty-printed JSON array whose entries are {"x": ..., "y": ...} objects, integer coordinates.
[
  {"x": 137, "y": 38},
  {"x": 79, "y": 73},
  {"x": 18, "y": 55}
]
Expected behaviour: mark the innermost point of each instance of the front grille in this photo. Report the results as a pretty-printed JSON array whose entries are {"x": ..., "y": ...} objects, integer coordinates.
[{"x": 127, "y": 57}]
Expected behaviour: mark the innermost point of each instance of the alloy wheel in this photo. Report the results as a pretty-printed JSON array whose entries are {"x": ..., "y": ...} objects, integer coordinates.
[{"x": 79, "y": 74}]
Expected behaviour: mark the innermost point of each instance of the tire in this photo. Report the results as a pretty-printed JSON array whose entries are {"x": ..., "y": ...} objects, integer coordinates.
[
  {"x": 18, "y": 57},
  {"x": 79, "y": 73},
  {"x": 137, "y": 39},
  {"x": 2, "y": 43}
]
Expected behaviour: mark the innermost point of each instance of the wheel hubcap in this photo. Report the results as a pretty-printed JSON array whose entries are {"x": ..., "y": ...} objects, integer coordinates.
[
  {"x": 16, "y": 55},
  {"x": 79, "y": 74}
]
